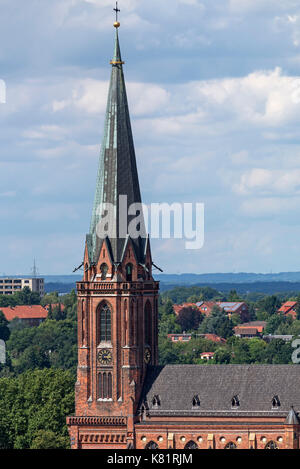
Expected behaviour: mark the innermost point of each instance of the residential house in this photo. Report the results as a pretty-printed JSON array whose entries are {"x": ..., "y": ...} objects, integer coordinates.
[
  {"x": 289, "y": 308},
  {"x": 232, "y": 307},
  {"x": 250, "y": 329},
  {"x": 180, "y": 337},
  {"x": 207, "y": 355},
  {"x": 32, "y": 315}
]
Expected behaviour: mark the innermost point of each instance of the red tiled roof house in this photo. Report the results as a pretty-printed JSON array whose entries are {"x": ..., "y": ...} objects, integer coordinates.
[
  {"x": 32, "y": 315},
  {"x": 289, "y": 308}
]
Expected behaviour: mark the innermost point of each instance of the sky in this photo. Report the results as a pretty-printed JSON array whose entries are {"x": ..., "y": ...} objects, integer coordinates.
[{"x": 214, "y": 96}]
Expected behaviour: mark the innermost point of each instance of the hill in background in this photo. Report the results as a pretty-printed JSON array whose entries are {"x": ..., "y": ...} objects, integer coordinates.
[{"x": 241, "y": 282}]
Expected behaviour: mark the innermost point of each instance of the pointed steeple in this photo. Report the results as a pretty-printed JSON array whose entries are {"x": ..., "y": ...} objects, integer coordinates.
[
  {"x": 292, "y": 418},
  {"x": 117, "y": 59},
  {"x": 117, "y": 172}
]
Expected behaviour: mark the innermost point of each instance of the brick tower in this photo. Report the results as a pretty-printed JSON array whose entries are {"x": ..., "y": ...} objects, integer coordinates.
[{"x": 117, "y": 298}]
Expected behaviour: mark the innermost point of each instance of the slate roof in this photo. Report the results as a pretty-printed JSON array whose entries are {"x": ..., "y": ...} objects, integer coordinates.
[
  {"x": 216, "y": 385},
  {"x": 117, "y": 171}
]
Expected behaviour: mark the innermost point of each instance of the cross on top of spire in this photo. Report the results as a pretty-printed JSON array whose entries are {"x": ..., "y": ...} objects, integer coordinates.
[{"x": 117, "y": 11}]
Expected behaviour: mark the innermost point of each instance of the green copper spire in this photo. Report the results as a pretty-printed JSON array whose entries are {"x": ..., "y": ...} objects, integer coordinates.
[
  {"x": 117, "y": 172},
  {"x": 117, "y": 59}
]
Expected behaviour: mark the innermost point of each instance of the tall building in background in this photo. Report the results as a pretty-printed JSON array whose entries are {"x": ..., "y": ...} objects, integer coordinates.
[
  {"x": 11, "y": 285},
  {"x": 123, "y": 398}
]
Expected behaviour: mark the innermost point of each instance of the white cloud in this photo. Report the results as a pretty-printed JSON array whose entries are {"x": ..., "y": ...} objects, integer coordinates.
[
  {"x": 263, "y": 181},
  {"x": 90, "y": 95},
  {"x": 258, "y": 5},
  {"x": 262, "y": 100},
  {"x": 147, "y": 98},
  {"x": 214, "y": 95}
]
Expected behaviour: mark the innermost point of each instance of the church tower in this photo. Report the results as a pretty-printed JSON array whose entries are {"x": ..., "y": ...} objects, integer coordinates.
[{"x": 117, "y": 298}]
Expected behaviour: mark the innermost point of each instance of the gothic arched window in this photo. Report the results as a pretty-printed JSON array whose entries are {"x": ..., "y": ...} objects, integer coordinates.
[
  {"x": 230, "y": 445},
  {"x": 104, "y": 323},
  {"x": 132, "y": 323},
  {"x": 109, "y": 385},
  {"x": 271, "y": 445},
  {"x": 103, "y": 270},
  {"x": 129, "y": 270},
  {"x": 148, "y": 324},
  {"x": 191, "y": 445},
  {"x": 105, "y": 385},
  {"x": 151, "y": 445}
]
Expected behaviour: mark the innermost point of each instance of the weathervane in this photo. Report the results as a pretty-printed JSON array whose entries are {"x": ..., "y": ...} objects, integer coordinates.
[{"x": 117, "y": 24}]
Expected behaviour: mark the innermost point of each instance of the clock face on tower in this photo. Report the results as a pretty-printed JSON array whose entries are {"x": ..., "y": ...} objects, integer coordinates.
[
  {"x": 104, "y": 357},
  {"x": 147, "y": 356}
]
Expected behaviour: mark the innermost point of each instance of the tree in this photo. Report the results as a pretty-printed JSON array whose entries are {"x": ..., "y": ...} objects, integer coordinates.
[
  {"x": 251, "y": 312},
  {"x": 168, "y": 325},
  {"x": 233, "y": 296},
  {"x": 70, "y": 302},
  {"x": 274, "y": 322},
  {"x": 32, "y": 358},
  {"x": 46, "y": 439},
  {"x": 217, "y": 323},
  {"x": 51, "y": 344},
  {"x": 33, "y": 402},
  {"x": 27, "y": 297},
  {"x": 50, "y": 311},
  {"x": 180, "y": 295},
  {"x": 189, "y": 318},
  {"x": 294, "y": 328},
  {"x": 236, "y": 319},
  {"x": 168, "y": 354},
  {"x": 222, "y": 356},
  {"x": 167, "y": 308},
  {"x": 4, "y": 329},
  {"x": 278, "y": 352},
  {"x": 257, "y": 348},
  {"x": 17, "y": 325},
  {"x": 50, "y": 298},
  {"x": 271, "y": 304},
  {"x": 57, "y": 313},
  {"x": 194, "y": 299},
  {"x": 241, "y": 353}
]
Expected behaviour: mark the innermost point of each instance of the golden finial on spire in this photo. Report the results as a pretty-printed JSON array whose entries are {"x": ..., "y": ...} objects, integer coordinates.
[{"x": 117, "y": 23}]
